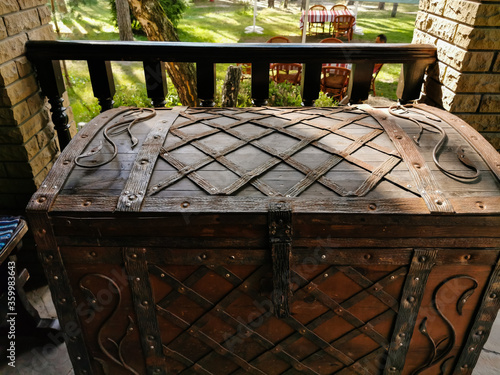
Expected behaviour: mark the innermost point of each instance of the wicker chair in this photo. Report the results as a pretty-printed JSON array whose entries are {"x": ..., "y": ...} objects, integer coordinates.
[
  {"x": 334, "y": 81},
  {"x": 331, "y": 40},
  {"x": 376, "y": 70},
  {"x": 289, "y": 72},
  {"x": 339, "y": 7},
  {"x": 316, "y": 25},
  {"x": 343, "y": 26},
  {"x": 278, "y": 39}
]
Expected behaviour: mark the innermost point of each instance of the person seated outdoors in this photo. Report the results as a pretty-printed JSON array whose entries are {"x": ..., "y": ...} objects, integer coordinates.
[{"x": 381, "y": 38}]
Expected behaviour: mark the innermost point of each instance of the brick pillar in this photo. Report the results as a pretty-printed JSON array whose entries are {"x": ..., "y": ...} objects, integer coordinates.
[
  {"x": 28, "y": 146},
  {"x": 466, "y": 79}
]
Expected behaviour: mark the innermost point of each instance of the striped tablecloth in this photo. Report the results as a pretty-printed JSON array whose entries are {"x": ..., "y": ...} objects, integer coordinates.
[{"x": 325, "y": 16}]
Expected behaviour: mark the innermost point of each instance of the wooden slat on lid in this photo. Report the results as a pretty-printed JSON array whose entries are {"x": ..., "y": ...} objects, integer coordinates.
[{"x": 137, "y": 183}]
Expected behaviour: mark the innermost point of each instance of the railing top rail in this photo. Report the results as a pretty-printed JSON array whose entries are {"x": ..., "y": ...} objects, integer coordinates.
[{"x": 230, "y": 53}]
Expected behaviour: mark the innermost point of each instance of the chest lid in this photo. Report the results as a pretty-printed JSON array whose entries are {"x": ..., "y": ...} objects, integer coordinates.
[{"x": 415, "y": 160}]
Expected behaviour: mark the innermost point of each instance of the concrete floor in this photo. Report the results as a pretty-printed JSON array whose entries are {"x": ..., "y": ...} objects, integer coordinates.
[{"x": 50, "y": 359}]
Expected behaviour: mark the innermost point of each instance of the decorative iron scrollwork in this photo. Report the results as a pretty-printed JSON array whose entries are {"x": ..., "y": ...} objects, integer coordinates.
[
  {"x": 93, "y": 301},
  {"x": 433, "y": 127},
  {"x": 443, "y": 346}
]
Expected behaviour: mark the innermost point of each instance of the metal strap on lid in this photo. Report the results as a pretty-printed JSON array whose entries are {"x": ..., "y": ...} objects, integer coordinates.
[
  {"x": 424, "y": 180},
  {"x": 131, "y": 198}
]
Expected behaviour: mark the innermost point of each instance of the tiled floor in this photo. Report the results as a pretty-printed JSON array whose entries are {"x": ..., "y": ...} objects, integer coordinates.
[{"x": 49, "y": 359}]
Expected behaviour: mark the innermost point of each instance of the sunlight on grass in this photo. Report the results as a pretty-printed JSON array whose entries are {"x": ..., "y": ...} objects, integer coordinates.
[{"x": 218, "y": 23}]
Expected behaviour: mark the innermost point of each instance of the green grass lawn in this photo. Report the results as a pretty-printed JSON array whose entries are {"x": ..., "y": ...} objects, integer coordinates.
[{"x": 218, "y": 22}]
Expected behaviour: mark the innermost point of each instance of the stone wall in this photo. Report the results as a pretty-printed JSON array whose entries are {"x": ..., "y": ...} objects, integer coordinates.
[
  {"x": 28, "y": 144},
  {"x": 466, "y": 79}
]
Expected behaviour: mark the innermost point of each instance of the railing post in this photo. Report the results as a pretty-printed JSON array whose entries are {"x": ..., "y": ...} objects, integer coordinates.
[
  {"x": 205, "y": 82},
  {"x": 411, "y": 80},
  {"x": 52, "y": 84},
  {"x": 311, "y": 82},
  {"x": 260, "y": 83},
  {"x": 156, "y": 82},
  {"x": 360, "y": 81},
  {"x": 103, "y": 84}
]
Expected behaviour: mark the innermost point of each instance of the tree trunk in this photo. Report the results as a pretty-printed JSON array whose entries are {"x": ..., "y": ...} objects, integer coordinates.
[
  {"x": 381, "y": 6},
  {"x": 394, "y": 9},
  {"x": 61, "y": 6},
  {"x": 231, "y": 86},
  {"x": 123, "y": 18},
  {"x": 159, "y": 28},
  {"x": 270, "y": 3},
  {"x": 285, "y": 4}
]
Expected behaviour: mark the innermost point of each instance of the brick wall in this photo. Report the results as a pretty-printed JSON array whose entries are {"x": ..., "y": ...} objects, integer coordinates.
[
  {"x": 27, "y": 141},
  {"x": 466, "y": 80}
]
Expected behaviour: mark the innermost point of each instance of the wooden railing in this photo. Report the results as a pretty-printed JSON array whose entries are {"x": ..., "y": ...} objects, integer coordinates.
[{"x": 46, "y": 56}]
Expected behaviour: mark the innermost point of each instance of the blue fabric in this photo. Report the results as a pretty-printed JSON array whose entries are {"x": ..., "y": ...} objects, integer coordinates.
[{"x": 8, "y": 226}]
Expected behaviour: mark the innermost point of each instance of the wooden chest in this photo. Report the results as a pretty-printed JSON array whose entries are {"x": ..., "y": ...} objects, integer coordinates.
[{"x": 350, "y": 240}]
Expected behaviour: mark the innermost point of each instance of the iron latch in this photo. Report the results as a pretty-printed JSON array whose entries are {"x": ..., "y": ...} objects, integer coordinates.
[{"x": 280, "y": 238}]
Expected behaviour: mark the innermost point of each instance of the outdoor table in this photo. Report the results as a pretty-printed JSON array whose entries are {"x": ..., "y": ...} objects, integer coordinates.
[{"x": 324, "y": 16}]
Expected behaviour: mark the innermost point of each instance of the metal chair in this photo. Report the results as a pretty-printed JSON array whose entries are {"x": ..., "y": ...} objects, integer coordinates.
[
  {"x": 289, "y": 72},
  {"x": 317, "y": 25},
  {"x": 334, "y": 81},
  {"x": 343, "y": 26}
]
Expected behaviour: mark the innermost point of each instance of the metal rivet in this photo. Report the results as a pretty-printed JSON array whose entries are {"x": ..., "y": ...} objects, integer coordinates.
[
  {"x": 402, "y": 334},
  {"x": 137, "y": 279},
  {"x": 56, "y": 277},
  {"x": 93, "y": 254},
  {"x": 325, "y": 275},
  {"x": 471, "y": 349},
  {"x": 411, "y": 299},
  {"x": 181, "y": 290},
  {"x": 151, "y": 347},
  {"x": 134, "y": 255},
  {"x": 228, "y": 275},
  {"x": 66, "y": 162},
  {"x": 203, "y": 256},
  {"x": 399, "y": 136},
  {"x": 372, "y": 206},
  {"x": 162, "y": 275},
  {"x": 145, "y": 303},
  {"x": 232, "y": 257},
  {"x": 480, "y": 205},
  {"x": 323, "y": 256},
  {"x": 493, "y": 295},
  {"x": 185, "y": 204},
  {"x": 41, "y": 199},
  {"x": 128, "y": 204},
  {"x": 79, "y": 358},
  {"x": 417, "y": 279},
  {"x": 465, "y": 366},
  {"x": 467, "y": 257},
  {"x": 416, "y": 165},
  {"x": 63, "y": 300},
  {"x": 87, "y": 203},
  {"x": 367, "y": 256},
  {"x": 393, "y": 277},
  {"x": 422, "y": 259},
  {"x": 392, "y": 368},
  {"x": 438, "y": 202}
]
